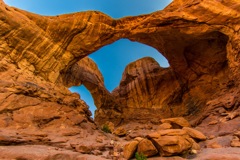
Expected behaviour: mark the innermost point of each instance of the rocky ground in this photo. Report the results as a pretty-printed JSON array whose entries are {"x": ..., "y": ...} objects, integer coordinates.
[{"x": 173, "y": 139}]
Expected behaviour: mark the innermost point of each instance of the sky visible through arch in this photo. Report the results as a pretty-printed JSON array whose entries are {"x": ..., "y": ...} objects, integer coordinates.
[{"x": 111, "y": 59}]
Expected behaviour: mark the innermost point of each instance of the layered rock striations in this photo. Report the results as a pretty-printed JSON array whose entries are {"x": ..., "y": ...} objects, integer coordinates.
[
  {"x": 40, "y": 56},
  {"x": 201, "y": 45},
  {"x": 85, "y": 72},
  {"x": 35, "y": 106},
  {"x": 143, "y": 91}
]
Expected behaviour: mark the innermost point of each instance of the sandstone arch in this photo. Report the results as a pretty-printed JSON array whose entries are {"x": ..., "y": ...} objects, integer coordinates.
[{"x": 203, "y": 51}]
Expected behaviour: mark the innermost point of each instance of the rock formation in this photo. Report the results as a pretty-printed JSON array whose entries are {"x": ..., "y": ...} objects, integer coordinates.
[
  {"x": 145, "y": 89},
  {"x": 176, "y": 140},
  {"x": 86, "y": 72},
  {"x": 203, "y": 52},
  {"x": 40, "y": 56}
]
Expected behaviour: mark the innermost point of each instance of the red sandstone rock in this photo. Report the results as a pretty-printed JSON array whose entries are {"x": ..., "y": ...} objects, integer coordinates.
[
  {"x": 220, "y": 153},
  {"x": 120, "y": 131},
  {"x": 129, "y": 149},
  {"x": 172, "y": 132},
  {"x": 195, "y": 133},
  {"x": 147, "y": 148},
  {"x": 165, "y": 126},
  {"x": 40, "y": 58},
  {"x": 195, "y": 145},
  {"x": 235, "y": 142},
  {"x": 194, "y": 78},
  {"x": 177, "y": 122},
  {"x": 171, "y": 145}
]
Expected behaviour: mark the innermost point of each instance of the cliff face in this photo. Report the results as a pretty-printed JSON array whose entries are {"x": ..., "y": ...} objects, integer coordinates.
[
  {"x": 41, "y": 56},
  {"x": 201, "y": 44},
  {"x": 86, "y": 72},
  {"x": 144, "y": 91}
]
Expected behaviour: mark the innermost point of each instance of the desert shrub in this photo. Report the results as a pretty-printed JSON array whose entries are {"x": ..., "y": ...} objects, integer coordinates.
[
  {"x": 106, "y": 129},
  {"x": 140, "y": 156}
]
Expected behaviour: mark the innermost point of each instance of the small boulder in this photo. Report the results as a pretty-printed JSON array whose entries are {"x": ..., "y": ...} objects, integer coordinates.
[
  {"x": 195, "y": 145},
  {"x": 167, "y": 132},
  {"x": 237, "y": 134},
  {"x": 153, "y": 135},
  {"x": 76, "y": 119},
  {"x": 165, "y": 126},
  {"x": 147, "y": 148},
  {"x": 172, "y": 132},
  {"x": 177, "y": 122},
  {"x": 235, "y": 142},
  {"x": 138, "y": 139},
  {"x": 213, "y": 122},
  {"x": 195, "y": 133},
  {"x": 130, "y": 149},
  {"x": 96, "y": 152},
  {"x": 83, "y": 149},
  {"x": 228, "y": 101},
  {"x": 99, "y": 139},
  {"x": 120, "y": 131}
]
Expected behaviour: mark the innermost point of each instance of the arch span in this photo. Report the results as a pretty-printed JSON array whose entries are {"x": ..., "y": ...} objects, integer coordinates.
[
  {"x": 146, "y": 88},
  {"x": 203, "y": 51},
  {"x": 111, "y": 61}
]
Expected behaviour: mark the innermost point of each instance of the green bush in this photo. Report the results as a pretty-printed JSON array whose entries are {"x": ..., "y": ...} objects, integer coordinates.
[
  {"x": 106, "y": 129},
  {"x": 140, "y": 156}
]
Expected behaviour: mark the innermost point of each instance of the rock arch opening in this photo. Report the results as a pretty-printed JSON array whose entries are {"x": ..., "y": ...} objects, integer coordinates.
[
  {"x": 104, "y": 73},
  {"x": 189, "y": 43},
  {"x": 146, "y": 88},
  {"x": 112, "y": 59}
]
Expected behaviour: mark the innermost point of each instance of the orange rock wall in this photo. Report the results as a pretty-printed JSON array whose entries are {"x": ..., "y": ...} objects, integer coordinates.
[{"x": 199, "y": 38}]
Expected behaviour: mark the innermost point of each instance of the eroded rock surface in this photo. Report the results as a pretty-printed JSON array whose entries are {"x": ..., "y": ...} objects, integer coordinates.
[
  {"x": 202, "y": 51},
  {"x": 87, "y": 73},
  {"x": 166, "y": 142},
  {"x": 40, "y": 56}
]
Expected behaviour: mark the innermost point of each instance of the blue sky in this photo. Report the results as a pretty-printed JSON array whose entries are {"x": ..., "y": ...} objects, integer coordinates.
[
  {"x": 114, "y": 8},
  {"x": 111, "y": 59}
]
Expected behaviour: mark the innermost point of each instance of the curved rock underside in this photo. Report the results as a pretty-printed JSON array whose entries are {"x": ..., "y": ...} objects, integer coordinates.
[
  {"x": 202, "y": 52},
  {"x": 40, "y": 56}
]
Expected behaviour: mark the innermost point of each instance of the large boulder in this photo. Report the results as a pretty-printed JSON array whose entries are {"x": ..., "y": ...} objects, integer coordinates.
[
  {"x": 147, "y": 148},
  {"x": 172, "y": 145}
]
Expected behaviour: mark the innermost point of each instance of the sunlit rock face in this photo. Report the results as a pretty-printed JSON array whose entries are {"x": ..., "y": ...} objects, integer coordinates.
[
  {"x": 143, "y": 91},
  {"x": 85, "y": 72},
  {"x": 147, "y": 89},
  {"x": 200, "y": 39},
  {"x": 201, "y": 44}
]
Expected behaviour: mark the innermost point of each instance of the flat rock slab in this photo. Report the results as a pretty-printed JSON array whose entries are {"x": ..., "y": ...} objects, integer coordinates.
[
  {"x": 41, "y": 152},
  {"x": 229, "y": 153}
]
